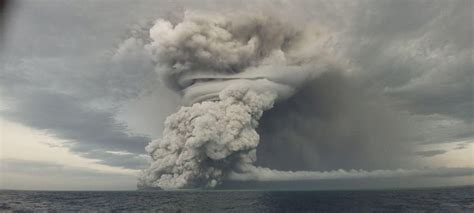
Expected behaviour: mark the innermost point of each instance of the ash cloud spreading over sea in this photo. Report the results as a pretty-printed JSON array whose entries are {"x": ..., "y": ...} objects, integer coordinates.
[
  {"x": 229, "y": 69},
  {"x": 361, "y": 86}
]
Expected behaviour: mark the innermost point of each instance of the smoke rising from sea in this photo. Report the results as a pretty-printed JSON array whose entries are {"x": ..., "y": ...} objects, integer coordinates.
[{"x": 229, "y": 69}]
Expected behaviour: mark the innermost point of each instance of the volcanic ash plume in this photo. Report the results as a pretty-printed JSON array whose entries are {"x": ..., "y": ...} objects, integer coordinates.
[{"x": 228, "y": 69}]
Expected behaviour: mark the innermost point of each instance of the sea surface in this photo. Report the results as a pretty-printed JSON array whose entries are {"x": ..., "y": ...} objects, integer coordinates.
[{"x": 458, "y": 199}]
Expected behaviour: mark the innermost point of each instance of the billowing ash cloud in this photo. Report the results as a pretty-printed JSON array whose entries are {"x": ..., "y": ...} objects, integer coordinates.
[
  {"x": 203, "y": 142},
  {"x": 205, "y": 52},
  {"x": 229, "y": 68}
]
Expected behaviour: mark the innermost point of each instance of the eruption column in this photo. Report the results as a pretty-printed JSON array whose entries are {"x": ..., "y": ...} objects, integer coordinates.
[{"x": 228, "y": 69}]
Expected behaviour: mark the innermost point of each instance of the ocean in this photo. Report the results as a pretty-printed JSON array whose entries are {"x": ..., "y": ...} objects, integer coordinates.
[{"x": 456, "y": 199}]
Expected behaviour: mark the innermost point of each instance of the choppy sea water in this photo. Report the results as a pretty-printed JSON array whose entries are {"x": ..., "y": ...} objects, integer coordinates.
[{"x": 459, "y": 199}]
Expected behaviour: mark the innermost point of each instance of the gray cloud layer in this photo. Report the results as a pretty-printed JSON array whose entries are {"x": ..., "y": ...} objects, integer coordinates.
[
  {"x": 411, "y": 82},
  {"x": 63, "y": 74},
  {"x": 431, "y": 153}
]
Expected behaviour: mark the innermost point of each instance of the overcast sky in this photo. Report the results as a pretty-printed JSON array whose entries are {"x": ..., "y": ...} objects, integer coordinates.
[{"x": 80, "y": 99}]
